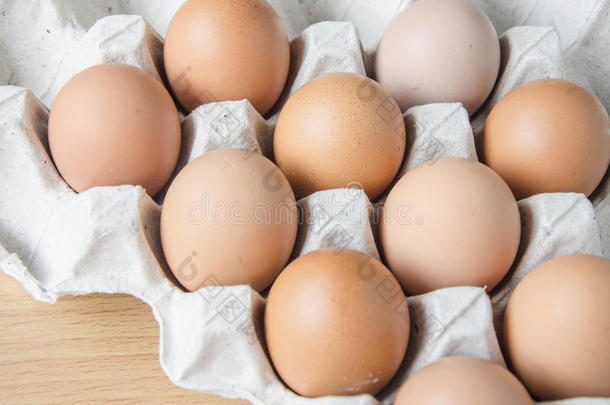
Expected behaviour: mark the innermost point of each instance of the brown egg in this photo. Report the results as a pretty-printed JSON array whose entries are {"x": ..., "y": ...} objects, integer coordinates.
[
  {"x": 340, "y": 130},
  {"x": 548, "y": 136},
  {"x": 336, "y": 323},
  {"x": 229, "y": 218},
  {"x": 217, "y": 50},
  {"x": 557, "y": 328},
  {"x": 114, "y": 124},
  {"x": 439, "y": 51},
  {"x": 463, "y": 381},
  {"x": 447, "y": 223}
]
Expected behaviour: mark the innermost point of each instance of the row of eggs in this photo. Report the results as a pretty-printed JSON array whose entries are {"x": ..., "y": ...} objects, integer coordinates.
[{"x": 113, "y": 124}]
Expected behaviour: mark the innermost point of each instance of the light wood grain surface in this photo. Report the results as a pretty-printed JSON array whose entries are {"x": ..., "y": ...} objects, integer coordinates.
[{"x": 82, "y": 350}]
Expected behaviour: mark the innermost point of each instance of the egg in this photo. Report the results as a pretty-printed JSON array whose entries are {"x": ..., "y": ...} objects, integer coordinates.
[
  {"x": 439, "y": 51},
  {"x": 340, "y": 130},
  {"x": 450, "y": 222},
  {"x": 463, "y": 381},
  {"x": 336, "y": 323},
  {"x": 218, "y": 50},
  {"x": 229, "y": 217},
  {"x": 548, "y": 136},
  {"x": 114, "y": 124},
  {"x": 557, "y": 328}
]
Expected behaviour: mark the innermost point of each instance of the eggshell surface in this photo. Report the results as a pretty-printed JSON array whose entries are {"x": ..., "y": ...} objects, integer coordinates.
[
  {"x": 114, "y": 124},
  {"x": 557, "y": 328},
  {"x": 340, "y": 130},
  {"x": 336, "y": 323},
  {"x": 548, "y": 136},
  {"x": 439, "y": 51},
  {"x": 229, "y": 218},
  {"x": 463, "y": 381},
  {"x": 218, "y": 50},
  {"x": 450, "y": 222}
]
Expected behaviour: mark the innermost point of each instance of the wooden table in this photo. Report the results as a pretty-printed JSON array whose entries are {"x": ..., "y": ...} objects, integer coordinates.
[{"x": 82, "y": 350}]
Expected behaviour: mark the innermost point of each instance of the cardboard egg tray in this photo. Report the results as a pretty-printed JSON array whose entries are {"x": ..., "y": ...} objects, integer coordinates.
[{"x": 56, "y": 242}]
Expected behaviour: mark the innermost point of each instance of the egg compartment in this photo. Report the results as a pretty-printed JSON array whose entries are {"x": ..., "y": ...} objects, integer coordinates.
[{"x": 56, "y": 242}]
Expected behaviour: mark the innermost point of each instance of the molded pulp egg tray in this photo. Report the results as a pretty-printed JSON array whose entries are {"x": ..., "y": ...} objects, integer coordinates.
[{"x": 56, "y": 242}]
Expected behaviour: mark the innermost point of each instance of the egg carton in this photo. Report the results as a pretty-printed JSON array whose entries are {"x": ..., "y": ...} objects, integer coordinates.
[{"x": 56, "y": 242}]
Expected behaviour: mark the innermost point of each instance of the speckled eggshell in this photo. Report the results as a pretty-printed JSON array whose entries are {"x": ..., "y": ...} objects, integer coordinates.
[
  {"x": 228, "y": 218},
  {"x": 336, "y": 323},
  {"x": 547, "y": 136},
  {"x": 557, "y": 328},
  {"x": 114, "y": 124},
  {"x": 463, "y": 381},
  {"x": 218, "y": 50},
  {"x": 439, "y": 51},
  {"x": 340, "y": 130},
  {"x": 450, "y": 222}
]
